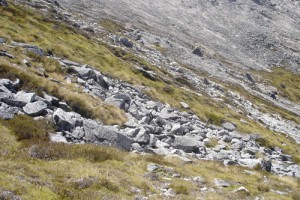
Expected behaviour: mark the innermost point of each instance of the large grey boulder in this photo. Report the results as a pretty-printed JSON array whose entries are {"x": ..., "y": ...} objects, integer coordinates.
[
  {"x": 7, "y": 112},
  {"x": 99, "y": 134},
  {"x": 186, "y": 143},
  {"x": 25, "y": 97},
  {"x": 11, "y": 100},
  {"x": 84, "y": 72},
  {"x": 66, "y": 121},
  {"x": 35, "y": 109},
  {"x": 124, "y": 41},
  {"x": 122, "y": 101}
]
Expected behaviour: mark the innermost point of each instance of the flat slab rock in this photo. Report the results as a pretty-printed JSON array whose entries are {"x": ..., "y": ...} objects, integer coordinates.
[
  {"x": 186, "y": 143},
  {"x": 229, "y": 126},
  {"x": 35, "y": 109},
  {"x": 96, "y": 133}
]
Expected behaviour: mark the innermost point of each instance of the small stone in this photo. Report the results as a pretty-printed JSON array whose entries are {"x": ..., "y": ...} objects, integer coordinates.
[
  {"x": 184, "y": 105},
  {"x": 58, "y": 138},
  {"x": 176, "y": 176},
  {"x": 229, "y": 162},
  {"x": 170, "y": 193},
  {"x": 242, "y": 190},
  {"x": 152, "y": 167},
  {"x": 221, "y": 183},
  {"x": 198, "y": 51}
]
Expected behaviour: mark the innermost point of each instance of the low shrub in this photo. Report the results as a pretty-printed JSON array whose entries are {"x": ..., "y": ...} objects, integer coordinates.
[{"x": 180, "y": 189}]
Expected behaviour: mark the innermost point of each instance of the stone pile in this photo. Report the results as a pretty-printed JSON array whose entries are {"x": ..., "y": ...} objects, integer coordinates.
[{"x": 152, "y": 127}]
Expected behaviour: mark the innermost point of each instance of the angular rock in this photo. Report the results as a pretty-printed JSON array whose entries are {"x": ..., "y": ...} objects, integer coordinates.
[
  {"x": 83, "y": 72},
  {"x": 4, "y": 54},
  {"x": 66, "y": 121},
  {"x": 35, "y": 109},
  {"x": 7, "y": 112},
  {"x": 143, "y": 136},
  {"x": 64, "y": 106},
  {"x": 58, "y": 138},
  {"x": 168, "y": 114},
  {"x": 266, "y": 165},
  {"x": 99, "y": 134},
  {"x": 184, "y": 105},
  {"x": 186, "y": 143},
  {"x": 229, "y": 162},
  {"x": 221, "y": 183},
  {"x": 53, "y": 100},
  {"x": 177, "y": 129},
  {"x": 136, "y": 147},
  {"x": 124, "y": 41},
  {"x": 4, "y": 96},
  {"x": 122, "y": 101},
  {"x": 227, "y": 138},
  {"x": 198, "y": 51},
  {"x": 6, "y": 82},
  {"x": 25, "y": 97},
  {"x": 229, "y": 126},
  {"x": 13, "y": 102},
  {"x": 152, "y": 167}
]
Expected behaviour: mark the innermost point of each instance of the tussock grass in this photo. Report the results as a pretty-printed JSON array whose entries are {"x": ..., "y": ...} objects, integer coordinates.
[{"x": 25, "y": 128}]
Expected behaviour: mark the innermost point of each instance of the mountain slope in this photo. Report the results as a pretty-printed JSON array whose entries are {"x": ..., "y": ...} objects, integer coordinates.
[{"x": 104, "y": 51}]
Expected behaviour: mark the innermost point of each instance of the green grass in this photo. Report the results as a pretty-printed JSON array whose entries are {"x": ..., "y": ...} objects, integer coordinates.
[{"x": 287, "y": 83}]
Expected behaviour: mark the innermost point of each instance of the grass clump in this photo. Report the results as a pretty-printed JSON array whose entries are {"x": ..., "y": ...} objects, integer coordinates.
[
  {"x": 263, "y": 187},
  {"x": 180, "y": 188},
  {"x": 111, "y": 26},
  {"x": 25, "y": 128}
]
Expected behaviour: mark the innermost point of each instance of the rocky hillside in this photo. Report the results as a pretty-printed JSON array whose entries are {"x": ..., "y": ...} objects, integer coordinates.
[{"x": 191, "y": 117}]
